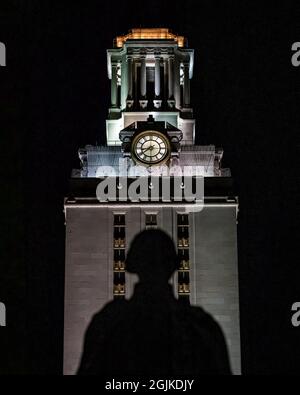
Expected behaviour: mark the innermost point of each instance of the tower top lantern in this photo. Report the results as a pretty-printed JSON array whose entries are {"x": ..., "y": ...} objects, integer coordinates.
[{"x": 150, "y": 34}]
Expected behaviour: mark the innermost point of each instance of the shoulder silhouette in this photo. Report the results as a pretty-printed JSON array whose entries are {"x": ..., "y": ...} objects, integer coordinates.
[{"x": 153, "y": 333}]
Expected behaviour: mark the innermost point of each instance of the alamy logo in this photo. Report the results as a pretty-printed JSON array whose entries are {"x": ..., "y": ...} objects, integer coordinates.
[
  {"x": 2, "y": 314},
  {"x": 296, "y": 55},
  {"x": 161, "y": 185},
  {"x": 2, "y": 55}
]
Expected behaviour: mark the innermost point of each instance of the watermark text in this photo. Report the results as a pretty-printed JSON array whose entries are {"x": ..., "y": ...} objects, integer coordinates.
[
  {"x": 296, "y": 54},
  {"x": 296, "y": 315},
  {"x": 2, "y": 55},
  {"x": 158, "y": 385},
  {"x": 2, "y": 314},
  {"x": 163, "y": 185}
]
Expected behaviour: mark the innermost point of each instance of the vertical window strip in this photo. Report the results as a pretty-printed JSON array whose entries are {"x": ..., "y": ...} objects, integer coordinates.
[
  {"x": 183, "y": 237},
  {"x": 119, "y": 246}
]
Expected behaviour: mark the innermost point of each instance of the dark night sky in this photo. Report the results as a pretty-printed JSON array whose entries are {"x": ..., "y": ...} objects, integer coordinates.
[{"x": 54, "y": 96}]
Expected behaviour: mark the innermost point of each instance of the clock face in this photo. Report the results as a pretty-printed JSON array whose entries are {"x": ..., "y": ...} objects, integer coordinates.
[{"x": 151, "y": 148}]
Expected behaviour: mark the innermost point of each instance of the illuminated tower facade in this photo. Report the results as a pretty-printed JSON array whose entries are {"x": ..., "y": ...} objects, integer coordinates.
[
  {"x": 150, "y": 127},
  {"x": 148, "y": 77}
]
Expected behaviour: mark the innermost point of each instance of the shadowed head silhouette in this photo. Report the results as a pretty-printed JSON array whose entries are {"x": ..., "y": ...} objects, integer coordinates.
[
  {"x": 152, "y": 256},
  {"x": 153, "y": 334}
]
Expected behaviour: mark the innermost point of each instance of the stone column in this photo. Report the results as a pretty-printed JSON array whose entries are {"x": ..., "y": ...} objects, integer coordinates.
[
  {"x": 130, "y": 77},
  {"x": 176, "y": 82},
  {"x": 114, "y": 86},
  {"x": 157, "y": 77},
  {"x": 171, "y": 98},
  {"x": 165, "y": 93},
  {"x": 186, "y": 87},
  {"x": 158, "y": 100},
  {"x": 143, "y": 77},
  {"x": 130, "y": 101},
  {"x": 171, "y": 77},
  {"x": 143, "y": 100}
]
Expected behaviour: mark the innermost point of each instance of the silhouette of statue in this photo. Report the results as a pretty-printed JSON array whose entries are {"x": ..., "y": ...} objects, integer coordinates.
[{"x": 153, "y": 334}]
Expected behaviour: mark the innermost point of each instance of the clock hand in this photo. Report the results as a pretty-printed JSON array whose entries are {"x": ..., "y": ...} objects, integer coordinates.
[
  {"x": 151, "y": 148},
  {"x": 146, "y": 152}
]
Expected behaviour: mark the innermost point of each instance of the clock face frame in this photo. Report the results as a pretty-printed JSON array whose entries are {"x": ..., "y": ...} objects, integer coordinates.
[{"x": 151, "y": 148}]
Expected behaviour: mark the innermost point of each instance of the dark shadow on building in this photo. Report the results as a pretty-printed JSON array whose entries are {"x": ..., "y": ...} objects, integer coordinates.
[{"x": 153, "y": 334}]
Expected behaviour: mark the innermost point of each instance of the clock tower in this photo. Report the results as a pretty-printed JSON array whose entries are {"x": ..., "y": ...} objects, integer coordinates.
[{"x": 150, "y": 128}]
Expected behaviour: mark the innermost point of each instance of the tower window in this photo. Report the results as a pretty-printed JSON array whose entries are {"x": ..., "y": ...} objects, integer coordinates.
[
  {"x": 119, "y": 220},
  {"x": 151, "y": 74},
  {"x": 184, "y": 254},
  {"x": 119, "y": 284},
  {"x": 151, "y": 221},
  {"x": 119, "y": 260},
  {"x": 183, "y": 220},
  {"x": 183, "y": 237},
  {"x": 119, "y": 237},
  {"x": 119, "y": 255},
  {"x": 184, "y": 282}
]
